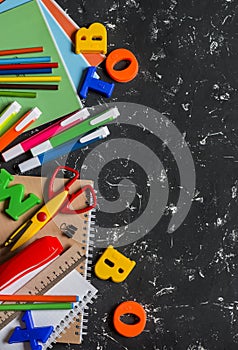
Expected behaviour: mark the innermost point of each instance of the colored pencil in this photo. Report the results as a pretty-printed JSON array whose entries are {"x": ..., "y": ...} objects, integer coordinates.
[
  {"x": 29, "y": 65},
  {"x": 16, "y": 60},
  {"x": 21, "y": 51},
  {"x": 25, "y": 71},
  {"x": 40, "y": 298},
  {"x": 30, "y": 79},
  {"x": 29, "y": 86},
  {"x": 40, "y": 306},
  {"x": 18, "y": 94}
]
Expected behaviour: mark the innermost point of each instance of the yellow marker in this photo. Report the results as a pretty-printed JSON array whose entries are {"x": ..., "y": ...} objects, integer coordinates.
[
  {"x": 91, "y": 40},
  {"x": 30, "y": 78},
  {"x": 39, "y": 220},
  {"x": 112, "y": 264}
]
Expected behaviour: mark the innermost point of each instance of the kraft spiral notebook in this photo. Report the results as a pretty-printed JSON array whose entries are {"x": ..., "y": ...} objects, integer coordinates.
[
  {"x": 59, "y": 319},
  {"x": 33, "y": 32},
  {"x": 83, "y": 235}
]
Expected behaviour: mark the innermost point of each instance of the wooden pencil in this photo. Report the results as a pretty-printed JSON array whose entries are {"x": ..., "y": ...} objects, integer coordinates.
[
  {"x": 29, "y": 86},
  {"x": 40, "y": 298},
  {"x": 41, "y": 78},
  {"x": 21, "y": 51}
]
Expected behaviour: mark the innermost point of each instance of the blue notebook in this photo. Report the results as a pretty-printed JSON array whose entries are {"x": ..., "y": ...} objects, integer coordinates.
[
  {"x": 75, "y": 64},
  {"x": 9, "y": 4},
  {"x": 31, "y": 33}
]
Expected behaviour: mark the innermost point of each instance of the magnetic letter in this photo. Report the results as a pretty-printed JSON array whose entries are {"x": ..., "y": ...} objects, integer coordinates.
[
  {"x": 91, "y": 40},
  {"x": 95, "y": 84},
  {"x": 17, "y": 205},
  {"x": 114, "y": 265},
  {"x": 124, "y": 75},
  {"x": 129, "y": 330}
]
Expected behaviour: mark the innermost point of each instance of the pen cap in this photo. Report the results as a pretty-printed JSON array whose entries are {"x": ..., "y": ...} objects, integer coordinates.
[
  {"x": 101, "y": 133},
  {"x": 12, "y": 109},
  {"x": 28, "y": 119},
  {"x": 111, "y": 113},
  {"x": 80, "y": 115}
]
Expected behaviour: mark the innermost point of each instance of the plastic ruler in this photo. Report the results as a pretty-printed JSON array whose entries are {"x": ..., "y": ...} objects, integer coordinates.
[{"x": 48, "y": 277}]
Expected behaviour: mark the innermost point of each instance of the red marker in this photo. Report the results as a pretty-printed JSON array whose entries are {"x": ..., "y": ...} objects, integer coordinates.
[{"x": 36, "y": 254}]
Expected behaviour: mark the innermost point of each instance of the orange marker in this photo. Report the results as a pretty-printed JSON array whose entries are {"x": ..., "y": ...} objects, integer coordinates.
[{"x": 18, "y": 128}]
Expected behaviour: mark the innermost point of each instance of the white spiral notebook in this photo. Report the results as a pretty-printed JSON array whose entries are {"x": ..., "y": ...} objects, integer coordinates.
[{"x": 73, "y": 283}]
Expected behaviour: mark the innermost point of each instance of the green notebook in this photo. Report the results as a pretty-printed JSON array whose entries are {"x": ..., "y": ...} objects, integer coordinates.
[{"x": 25, "y": 26}]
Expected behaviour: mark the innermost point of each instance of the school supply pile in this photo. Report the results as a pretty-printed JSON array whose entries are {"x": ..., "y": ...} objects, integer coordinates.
[
  {"x": 74, "y": 253},
  {"x": 49, "y": 221}
]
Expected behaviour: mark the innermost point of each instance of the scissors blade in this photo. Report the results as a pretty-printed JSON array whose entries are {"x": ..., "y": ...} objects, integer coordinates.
[
  {"x": 16, "y": 234},
  {"x": 40, "y": 219}
]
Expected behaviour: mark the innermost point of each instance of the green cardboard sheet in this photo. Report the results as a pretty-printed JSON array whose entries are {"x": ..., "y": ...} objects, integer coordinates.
[{"x": 25, "y": 26}]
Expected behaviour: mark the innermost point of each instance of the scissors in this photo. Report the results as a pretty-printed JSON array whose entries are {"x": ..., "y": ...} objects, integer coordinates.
[{"x": 59, "y": 201}]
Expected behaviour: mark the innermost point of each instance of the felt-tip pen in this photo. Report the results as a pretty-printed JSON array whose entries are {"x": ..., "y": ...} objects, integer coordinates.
[
  {"x": 68, "y": 147},
  {"x": 57, "y": 127},
  {"x": 78, "y": 130},
  {"x": 9, "y": 113},
  {"x": 19, "y": 127}
]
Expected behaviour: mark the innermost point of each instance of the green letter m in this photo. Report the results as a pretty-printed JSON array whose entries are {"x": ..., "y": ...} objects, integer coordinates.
[{"x": 17, "y": 205}]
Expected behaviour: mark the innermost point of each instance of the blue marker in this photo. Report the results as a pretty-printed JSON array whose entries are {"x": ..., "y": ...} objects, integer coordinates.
[{"x": 68, "y": 147}]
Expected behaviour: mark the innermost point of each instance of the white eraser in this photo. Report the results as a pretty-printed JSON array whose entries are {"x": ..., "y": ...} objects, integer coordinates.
[
  {"x": 41, "y": 148},
  {"x": 13, "y": 152},
  {"x": 29, "y": 164}
]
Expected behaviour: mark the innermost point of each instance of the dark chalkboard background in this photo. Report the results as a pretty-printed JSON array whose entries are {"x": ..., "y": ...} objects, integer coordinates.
[{"x": 187, "y": 281}]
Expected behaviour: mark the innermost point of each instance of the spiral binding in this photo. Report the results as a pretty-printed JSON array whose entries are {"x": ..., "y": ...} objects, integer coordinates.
[
  {"x": 69, "y": 318},
  {"x": 81, "y": 306},
  {"x": 88, "y": 263}
]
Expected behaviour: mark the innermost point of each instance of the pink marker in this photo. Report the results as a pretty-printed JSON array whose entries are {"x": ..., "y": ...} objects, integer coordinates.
[{"x": 45, "y": 134}]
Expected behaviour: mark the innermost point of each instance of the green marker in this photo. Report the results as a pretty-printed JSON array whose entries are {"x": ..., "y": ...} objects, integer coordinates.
[
  {"x": 18, "y": 94},
  {"x": 8, "y": 114},
  {"x": 77, "y": 130},
  {"x": 37, "y": 306}
]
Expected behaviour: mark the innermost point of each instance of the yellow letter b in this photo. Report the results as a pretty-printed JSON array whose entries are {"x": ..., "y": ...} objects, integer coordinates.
[{"x": 114, "y": 265}]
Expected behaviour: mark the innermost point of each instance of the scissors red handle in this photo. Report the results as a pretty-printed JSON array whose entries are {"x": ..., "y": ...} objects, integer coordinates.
[
  {"x": 71, "y": 197},
  {"x": 51, "y": 192}
]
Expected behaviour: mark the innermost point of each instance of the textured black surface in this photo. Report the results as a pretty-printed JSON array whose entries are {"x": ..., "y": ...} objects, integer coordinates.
[{"x": 187, "y": 281}]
